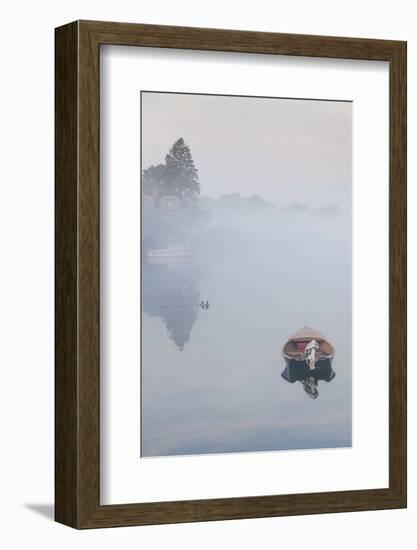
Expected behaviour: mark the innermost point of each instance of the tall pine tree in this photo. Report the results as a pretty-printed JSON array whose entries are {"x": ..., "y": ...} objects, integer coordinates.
[{"x": 182, "y": 175}]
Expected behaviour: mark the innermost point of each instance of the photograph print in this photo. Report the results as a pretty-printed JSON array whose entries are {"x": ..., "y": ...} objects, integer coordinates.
[{"x": 246, "y": 274}]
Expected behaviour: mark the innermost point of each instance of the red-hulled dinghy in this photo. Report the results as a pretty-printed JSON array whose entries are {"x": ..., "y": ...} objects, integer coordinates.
[{"x": 309, "y": 346}]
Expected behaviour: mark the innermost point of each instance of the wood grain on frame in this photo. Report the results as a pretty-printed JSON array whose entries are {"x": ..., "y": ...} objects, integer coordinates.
[{"x": 77, "y": 196}]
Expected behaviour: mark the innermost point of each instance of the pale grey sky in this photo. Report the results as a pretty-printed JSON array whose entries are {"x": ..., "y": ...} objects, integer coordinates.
[{"x": 285, "y": 150}]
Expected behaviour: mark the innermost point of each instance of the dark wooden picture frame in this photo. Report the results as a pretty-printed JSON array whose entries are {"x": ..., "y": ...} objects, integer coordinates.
[{"x": 77, "y": 370}]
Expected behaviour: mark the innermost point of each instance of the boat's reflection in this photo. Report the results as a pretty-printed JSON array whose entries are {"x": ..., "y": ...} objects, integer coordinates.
[{"x": 298, "y": 371}]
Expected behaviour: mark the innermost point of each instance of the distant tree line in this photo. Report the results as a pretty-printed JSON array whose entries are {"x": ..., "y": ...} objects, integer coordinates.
[{"x": 236, "y": 204}]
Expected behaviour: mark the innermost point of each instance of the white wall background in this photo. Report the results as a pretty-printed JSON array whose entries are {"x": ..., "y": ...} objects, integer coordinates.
[{"x": 26, "y": 271}]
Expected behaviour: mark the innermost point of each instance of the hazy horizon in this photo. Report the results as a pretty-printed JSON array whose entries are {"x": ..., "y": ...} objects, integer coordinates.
[{"x": 286, "y": 150}]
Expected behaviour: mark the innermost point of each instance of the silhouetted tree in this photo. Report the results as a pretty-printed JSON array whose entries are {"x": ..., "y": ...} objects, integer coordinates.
[
  {"x": 178, "y": 176},
  {"x": 154, "y": 176},
  {"x": 182, "y": 175}
]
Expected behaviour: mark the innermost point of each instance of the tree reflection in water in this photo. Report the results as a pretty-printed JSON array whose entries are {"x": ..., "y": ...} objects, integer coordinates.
[{"x": 170, "y": 291}]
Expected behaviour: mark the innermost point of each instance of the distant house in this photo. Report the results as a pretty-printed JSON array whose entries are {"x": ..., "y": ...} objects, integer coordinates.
[{"x": 168, "y": 205}]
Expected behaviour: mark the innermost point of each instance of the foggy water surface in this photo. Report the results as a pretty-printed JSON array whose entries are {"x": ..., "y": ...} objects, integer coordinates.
[{"x": 211, "y": 378}]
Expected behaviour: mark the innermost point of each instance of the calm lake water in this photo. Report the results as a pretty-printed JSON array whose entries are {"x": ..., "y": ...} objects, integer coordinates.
[{"x": 211, "y": 378}]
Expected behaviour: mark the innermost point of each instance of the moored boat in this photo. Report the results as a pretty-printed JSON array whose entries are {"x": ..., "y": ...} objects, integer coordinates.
[
  {"x": 309, "y": 347},
  {"x": 175, "y": 249}
]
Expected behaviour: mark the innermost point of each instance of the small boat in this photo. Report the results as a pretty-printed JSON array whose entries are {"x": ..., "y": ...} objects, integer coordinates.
[
  {"x": 297, "y": 346},
  {"x": 174, "y": 249}
]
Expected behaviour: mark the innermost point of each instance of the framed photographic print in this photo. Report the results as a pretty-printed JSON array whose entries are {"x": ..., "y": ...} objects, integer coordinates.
[{"x": 230, "y": 274}]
